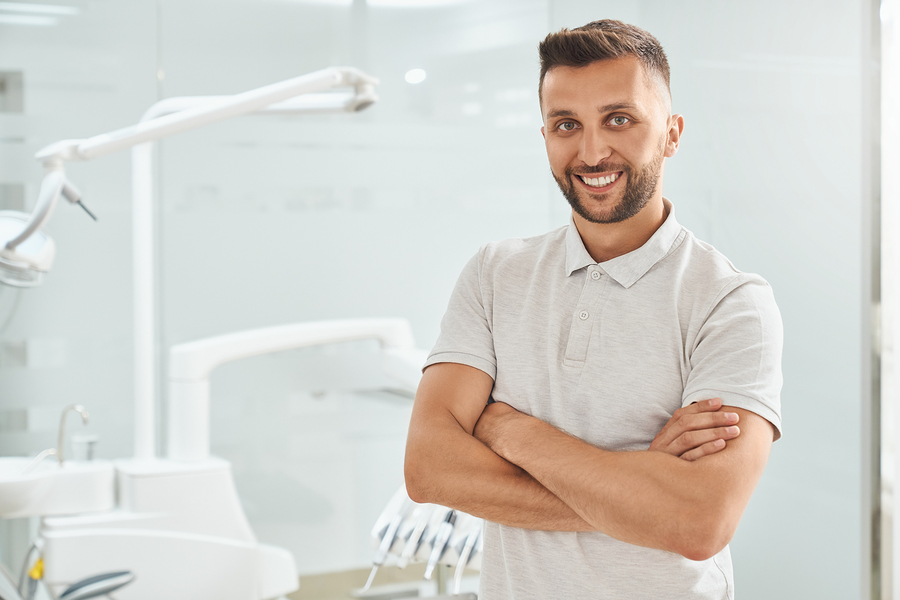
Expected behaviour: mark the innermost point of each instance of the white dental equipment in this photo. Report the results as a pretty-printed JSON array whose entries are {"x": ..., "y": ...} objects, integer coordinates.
[
  {"x": 420, "y": 518},
  {"x": 465, "y": 554},
  {"x": 432, "y": 533},
  {"x": 441, "y": 539},
  {"x": 179, "y": 525},
  {"x": 27, "y": 253},
  {"x": 390, "y": 534},
  {"x": 98, "y": 585}
]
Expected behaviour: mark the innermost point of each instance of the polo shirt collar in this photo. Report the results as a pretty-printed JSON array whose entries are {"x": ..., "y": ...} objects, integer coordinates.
[{"x": 628, "y": 268}]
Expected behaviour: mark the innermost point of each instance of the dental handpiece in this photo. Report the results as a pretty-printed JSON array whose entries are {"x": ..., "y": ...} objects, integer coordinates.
[
  {"x": 387, "y": 541},
  {"x": 412, "y": 543},
  {"x": 466, "y": 553},
  {"x": 441, "y": 538}
]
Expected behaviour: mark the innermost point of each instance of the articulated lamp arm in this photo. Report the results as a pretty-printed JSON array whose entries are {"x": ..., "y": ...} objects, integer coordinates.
[
  {"x": 190, "y": 366},
  {"x": 176, "y": 115}
]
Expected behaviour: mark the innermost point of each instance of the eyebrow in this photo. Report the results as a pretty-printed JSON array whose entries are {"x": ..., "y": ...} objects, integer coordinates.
[{"x": 561, "y": 112}]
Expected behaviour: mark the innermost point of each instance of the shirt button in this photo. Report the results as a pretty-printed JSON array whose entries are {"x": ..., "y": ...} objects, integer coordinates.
[
  {"x": 595, "y": 275},
  {"x": 583, "y": 315}
]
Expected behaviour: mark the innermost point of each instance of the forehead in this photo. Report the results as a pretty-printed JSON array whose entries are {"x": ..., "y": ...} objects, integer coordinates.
[{"x": 601, "y": 83}]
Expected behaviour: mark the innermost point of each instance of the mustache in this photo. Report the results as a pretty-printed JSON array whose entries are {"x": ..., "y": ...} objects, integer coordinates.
[{"x": 599, "y": 168}]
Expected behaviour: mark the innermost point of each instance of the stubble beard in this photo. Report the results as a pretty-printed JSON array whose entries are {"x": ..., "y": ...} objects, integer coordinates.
[{"x": 640, "y": 185}]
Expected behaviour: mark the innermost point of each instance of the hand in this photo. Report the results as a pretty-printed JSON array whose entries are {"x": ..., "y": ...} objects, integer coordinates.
[
  {"x": 697, "y": 430},
  {"x": 490, "y": 426}
]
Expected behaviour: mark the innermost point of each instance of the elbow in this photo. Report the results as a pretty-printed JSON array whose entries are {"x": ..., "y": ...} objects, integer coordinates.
[
  {"x": 705, "y": 540},
  {"x": 414, "y": 476}
]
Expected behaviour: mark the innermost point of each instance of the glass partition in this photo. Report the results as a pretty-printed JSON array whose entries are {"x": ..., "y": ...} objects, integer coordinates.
[{"x": 266, "y": 220}]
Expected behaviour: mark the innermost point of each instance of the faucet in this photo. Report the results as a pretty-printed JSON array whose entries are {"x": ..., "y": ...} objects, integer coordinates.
[{"x": 60, "y": 443}]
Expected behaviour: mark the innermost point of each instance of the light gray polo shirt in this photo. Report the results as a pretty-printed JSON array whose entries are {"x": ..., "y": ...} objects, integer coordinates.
[{"x": 607, "y": 352}]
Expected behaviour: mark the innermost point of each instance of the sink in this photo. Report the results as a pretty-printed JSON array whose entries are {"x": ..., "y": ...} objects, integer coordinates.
[
  {"x": 17, "y": 491},
  {"x": 54, "y": 489}
]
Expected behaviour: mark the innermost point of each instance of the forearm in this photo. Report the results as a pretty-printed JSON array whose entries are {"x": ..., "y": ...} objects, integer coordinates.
[
  {"x": 635, "y": 497},
  {"x": 445, "y": 465},
  {"x": 646, "y": 498}
]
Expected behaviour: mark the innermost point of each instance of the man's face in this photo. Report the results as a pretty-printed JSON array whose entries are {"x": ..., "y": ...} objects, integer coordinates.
[{"x": 607, "y": 129}]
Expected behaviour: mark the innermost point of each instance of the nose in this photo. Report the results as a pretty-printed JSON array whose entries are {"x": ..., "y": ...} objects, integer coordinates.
[{"x": 594, "y": 147}]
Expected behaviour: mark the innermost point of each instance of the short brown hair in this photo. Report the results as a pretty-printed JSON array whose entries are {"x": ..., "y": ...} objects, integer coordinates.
[{"x": 603, "y": 40}]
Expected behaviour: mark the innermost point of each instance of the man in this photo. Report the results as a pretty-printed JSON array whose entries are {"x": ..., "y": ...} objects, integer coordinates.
[{"x": 619, "y": 354}]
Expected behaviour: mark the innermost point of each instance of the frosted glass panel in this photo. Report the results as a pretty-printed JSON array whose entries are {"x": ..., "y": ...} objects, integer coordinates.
[{"x": 268, "y": 220}]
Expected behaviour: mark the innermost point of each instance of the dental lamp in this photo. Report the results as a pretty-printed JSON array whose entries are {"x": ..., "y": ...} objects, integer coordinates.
[{"x": 26, "y": 252}]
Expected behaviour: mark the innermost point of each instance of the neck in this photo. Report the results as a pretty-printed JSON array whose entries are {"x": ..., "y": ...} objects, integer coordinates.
[{"x": 605, "y": 241}]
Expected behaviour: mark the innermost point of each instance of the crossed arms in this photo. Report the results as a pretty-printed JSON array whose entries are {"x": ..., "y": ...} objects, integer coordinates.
[{"x": 686, "y": 494}]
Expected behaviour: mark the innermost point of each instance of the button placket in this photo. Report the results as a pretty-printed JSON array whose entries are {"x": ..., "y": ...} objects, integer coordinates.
[{"x": 580, "y": 331}]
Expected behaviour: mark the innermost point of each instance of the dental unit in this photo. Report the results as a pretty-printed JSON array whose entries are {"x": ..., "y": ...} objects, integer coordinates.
[
  {"x": 439, "y": 544},
  {"x": 441, "y": 537},
  {"x": 387, "y": 540},
  {"x": 177, "y": 524},
  {"x": 465, "y": 554},
  {"x": 420, "y": 518}
]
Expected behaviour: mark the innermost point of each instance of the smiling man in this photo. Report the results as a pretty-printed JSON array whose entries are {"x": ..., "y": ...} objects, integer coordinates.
[{"x": 585, "y": 392}]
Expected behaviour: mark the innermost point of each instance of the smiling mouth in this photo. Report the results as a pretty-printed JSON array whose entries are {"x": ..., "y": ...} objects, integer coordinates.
[{"x": 600, "y": 182}]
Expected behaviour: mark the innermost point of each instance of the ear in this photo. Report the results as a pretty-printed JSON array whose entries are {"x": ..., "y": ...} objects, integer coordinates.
[
  {"x": 673, "y": 135},
  {"x": 543, "y": 135}
]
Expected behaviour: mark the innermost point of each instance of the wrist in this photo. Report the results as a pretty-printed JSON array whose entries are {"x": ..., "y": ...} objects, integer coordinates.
[{"x": 515, "y": 430}]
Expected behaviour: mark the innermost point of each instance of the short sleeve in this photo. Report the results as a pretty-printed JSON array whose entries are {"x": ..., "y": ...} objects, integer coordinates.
[
  {"x": 466, "y": 336},
  {"x": 736, "y": 355}
]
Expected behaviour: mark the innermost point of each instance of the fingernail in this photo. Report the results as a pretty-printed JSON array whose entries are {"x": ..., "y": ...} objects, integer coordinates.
[
  {"x": 719, "y": 443},
  {"x": 733, "y": 430},
  {"x": 715, "y": 401},
  {"x": 731, "y": 417}
]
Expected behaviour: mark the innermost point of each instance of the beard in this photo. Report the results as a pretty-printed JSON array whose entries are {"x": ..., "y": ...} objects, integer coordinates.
[{"x": 640, "y": 186}]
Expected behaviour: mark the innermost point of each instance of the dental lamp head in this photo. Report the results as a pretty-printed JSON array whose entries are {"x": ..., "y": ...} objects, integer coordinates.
[{"x": 26, "y": 252}]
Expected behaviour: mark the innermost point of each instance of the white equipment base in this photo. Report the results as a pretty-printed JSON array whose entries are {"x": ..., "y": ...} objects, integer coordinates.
[{"x": 179, "y": 528}]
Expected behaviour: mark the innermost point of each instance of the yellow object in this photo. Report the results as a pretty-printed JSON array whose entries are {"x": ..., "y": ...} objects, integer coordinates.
[{"x": 37, "y": 571}]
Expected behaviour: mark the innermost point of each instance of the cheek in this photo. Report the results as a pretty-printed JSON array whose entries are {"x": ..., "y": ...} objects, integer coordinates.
[
  {"x": 639, "y": 149},
  {"x": 559, "y": 154}
]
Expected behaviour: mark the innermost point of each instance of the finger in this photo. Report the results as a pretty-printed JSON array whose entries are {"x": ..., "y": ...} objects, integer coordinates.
[
  {"x": 695, "y": 439},
  {"x": 704, "y": 450},
  {"x": 693, "y": 422},
  {"x": 702, "y": 406}
]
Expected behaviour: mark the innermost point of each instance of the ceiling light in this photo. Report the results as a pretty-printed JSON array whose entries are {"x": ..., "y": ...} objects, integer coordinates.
[
  {"x": 38, "y": 9},
  {"x": 415, "y": 76}
]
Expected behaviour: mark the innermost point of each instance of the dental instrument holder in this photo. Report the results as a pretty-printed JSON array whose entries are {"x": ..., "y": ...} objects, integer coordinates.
[
  {"x": 426, "y": 521},
  {"x": 441, "y": 539}
]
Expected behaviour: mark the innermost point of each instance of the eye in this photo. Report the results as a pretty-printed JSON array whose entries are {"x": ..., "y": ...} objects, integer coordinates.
[
  {"x": 567, "y": 126},
  {"x": 619, "y": 121}
]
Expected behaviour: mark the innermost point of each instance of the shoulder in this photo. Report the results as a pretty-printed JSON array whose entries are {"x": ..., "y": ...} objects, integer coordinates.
[
  {"x": 708, "y": 288},
  {"x": 516, "y": 256},
  {"x": 707, "y": 273},
  {"x": 523, "y": 248}
]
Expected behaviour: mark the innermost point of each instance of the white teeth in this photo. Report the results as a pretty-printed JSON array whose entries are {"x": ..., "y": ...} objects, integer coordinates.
[{"x": 599, "y": 181}]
